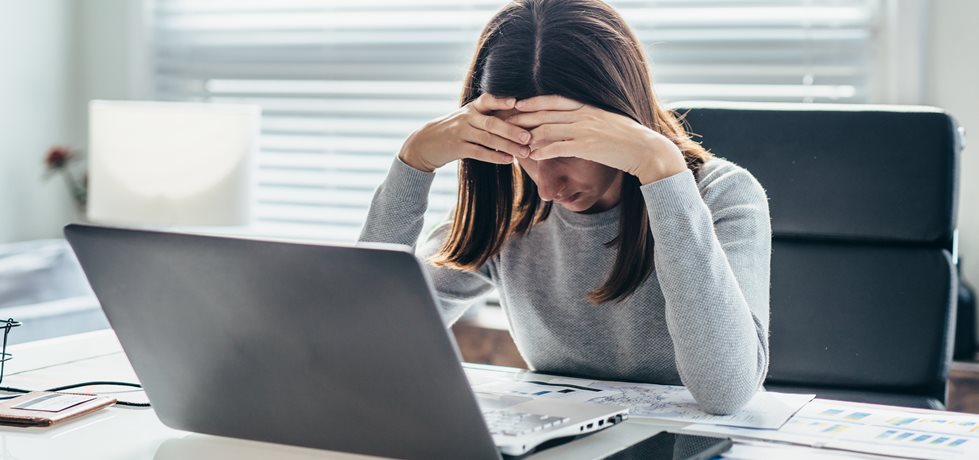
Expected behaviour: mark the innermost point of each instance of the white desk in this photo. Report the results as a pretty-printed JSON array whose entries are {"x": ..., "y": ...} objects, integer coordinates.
[{"x": 134, "y": 433}]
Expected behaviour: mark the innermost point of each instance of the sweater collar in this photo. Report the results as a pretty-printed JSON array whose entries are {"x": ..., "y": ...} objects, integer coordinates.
[{"x": 604, "y": 218}]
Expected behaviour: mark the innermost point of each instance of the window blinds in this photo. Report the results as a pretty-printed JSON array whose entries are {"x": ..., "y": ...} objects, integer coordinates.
[{"x": 343, "y": 82}]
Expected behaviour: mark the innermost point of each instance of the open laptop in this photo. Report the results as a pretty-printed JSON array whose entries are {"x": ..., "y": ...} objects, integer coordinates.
[{"x": 324, "y": 346}]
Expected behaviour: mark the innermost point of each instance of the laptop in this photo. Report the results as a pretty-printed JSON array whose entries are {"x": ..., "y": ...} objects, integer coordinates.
[{"x": 315, "y": 345}]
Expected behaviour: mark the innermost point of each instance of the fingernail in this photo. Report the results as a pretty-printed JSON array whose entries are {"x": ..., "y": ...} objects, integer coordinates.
[
  {"x": 520, "y": 104},
  {"x": 524, "y": 151},
  {"x": 524, "y": 137}
]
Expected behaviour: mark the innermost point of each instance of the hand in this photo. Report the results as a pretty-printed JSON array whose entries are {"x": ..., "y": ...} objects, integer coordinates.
[
  {"x": 563, "y": 127},
  {"x": 469, "y": 132}
]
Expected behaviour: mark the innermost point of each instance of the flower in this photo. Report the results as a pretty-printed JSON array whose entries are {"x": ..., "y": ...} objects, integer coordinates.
[
  {"x": 57, "y": 157},
  {"x": 58, "y": 160}
]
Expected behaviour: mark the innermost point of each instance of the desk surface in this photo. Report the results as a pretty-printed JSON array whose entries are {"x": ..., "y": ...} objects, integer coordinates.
[
  {"x": 134, "y": 433},
  {"x": 128, "y": 433}
]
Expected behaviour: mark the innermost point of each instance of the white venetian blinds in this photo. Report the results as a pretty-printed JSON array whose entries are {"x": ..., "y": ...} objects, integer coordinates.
[{"x": 343, "y": 82}]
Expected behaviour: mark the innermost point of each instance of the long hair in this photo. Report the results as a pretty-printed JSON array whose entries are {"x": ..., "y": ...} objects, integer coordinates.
[{"x": 582, "y": 50}]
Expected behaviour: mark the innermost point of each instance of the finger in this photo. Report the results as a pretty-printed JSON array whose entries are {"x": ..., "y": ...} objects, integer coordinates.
[
  {"x": 535, "y": 119},
  {"x": 478, "y": 152},
  {"x": 551, "y": 133},
  {"x": 547, "y": 102},
  {"x": 492, "y": 141},
  {"x": 487, "y": 103},
  {"x": 556, "y": 150},
  {"x": 499, "y": 127}
]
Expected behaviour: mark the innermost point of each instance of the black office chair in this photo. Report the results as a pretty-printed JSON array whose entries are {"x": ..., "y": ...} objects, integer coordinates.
[{"x": 863, "y": 203}]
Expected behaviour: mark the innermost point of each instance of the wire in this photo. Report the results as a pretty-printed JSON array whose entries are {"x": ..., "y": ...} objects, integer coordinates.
[
  {"x": 10, "y": 323},
  {"x": 78, "y": 385}
]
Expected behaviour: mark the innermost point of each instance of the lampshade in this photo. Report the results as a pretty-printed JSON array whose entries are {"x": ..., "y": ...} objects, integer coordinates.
[{"x": 172, "y": 163}]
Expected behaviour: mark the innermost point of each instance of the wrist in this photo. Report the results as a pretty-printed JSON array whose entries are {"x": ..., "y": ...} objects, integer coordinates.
[
  {"x": 408, "y": 157},
  {"x": 661, "y": 159}
]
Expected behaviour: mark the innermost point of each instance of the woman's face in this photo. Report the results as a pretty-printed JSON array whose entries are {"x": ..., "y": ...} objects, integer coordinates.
[{"x": 576, "y": 184}]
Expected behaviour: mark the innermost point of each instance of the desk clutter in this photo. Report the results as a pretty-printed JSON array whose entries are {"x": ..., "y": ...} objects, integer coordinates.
[
  {"x": 644, "y": 400},
  {"x": 869, "y": 428},
  {"x": 45, "y": 408},
  {"x": 786, "y": 419},
  {"x": 818, "y": 428}
]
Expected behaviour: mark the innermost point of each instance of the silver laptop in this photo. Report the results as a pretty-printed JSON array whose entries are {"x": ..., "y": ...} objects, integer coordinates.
[{"x": 324, "y": 346}]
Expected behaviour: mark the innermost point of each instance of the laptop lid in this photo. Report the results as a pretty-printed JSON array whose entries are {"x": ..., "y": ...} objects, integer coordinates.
[{"x": 324, "y": 346}]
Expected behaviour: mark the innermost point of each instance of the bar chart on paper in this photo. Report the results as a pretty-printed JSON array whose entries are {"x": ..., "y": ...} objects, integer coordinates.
[{"x": 871, "y": 429}]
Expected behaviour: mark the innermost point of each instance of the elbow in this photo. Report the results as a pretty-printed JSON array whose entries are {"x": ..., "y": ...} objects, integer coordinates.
[
  {"x": 728, "y": 395},
  {"x": 725, "y": 403},
  {"x": 730, "y": 385}
]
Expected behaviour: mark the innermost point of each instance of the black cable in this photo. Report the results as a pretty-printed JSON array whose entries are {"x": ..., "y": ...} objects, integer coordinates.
[
  {"x": 4, "y": 357},
  {"x": 83, "y": 384}
]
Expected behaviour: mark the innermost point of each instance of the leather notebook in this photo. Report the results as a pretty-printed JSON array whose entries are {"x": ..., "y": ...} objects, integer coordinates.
[{"x": 45, "y": 408}]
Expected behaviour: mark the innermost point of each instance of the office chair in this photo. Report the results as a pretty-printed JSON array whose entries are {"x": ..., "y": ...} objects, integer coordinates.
[{"x": 863, "y": 204}]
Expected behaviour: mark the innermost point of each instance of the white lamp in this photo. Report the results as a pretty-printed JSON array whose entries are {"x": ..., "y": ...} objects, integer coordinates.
[{"x": 172, "y": 163}]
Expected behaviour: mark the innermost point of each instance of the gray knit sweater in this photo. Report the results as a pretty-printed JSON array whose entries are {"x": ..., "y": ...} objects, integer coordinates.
[{"x": 700, "y": 320}]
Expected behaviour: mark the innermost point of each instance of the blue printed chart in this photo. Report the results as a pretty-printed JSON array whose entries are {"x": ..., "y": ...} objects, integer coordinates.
[{"x": 872, "y": 429}]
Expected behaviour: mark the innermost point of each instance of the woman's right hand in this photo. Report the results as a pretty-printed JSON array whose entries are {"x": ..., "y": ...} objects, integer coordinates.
[{"x": 470, "y": 132}]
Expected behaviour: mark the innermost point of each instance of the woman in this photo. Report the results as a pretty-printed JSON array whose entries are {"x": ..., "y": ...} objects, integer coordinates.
[{"x": 654, "y": 264}]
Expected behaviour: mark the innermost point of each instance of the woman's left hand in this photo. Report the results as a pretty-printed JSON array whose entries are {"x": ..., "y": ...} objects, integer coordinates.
[{"x": 562, "y": 127}]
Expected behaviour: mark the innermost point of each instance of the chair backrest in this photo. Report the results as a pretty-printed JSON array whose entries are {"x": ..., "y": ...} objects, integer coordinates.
[{"x": 863, "y": 203}]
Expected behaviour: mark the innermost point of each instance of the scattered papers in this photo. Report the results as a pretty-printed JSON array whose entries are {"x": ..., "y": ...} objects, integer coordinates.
[
  {"x": 479, "y": 376},
  {"x": 547, "y": 391},
  {"x": 669, "y": 402},
  {"x": 755, "y": 450},
  {"x": 661, "y": 402},
  {"x": 870, "y": 428}
]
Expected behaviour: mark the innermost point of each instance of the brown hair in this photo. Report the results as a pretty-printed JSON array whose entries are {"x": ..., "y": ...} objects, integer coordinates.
[{"x": 582, "y": 50}]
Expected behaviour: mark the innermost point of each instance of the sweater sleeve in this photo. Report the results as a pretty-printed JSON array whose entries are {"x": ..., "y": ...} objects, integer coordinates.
[
  {"x": 397, "y": 215},
  {"x": 713, "y": 264}
]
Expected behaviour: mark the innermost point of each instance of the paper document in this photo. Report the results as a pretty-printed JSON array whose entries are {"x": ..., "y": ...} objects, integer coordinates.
[
  {"x": 644, "y": 400},
  {"x": 54, "y": 402},
  {"x": 547, "y": 390},
  {"x": 870, "y": 428},
  {"x": 479, "y": 376},
  {"x": 670, "y": 402},
  {"x": 763, "y": 450}
]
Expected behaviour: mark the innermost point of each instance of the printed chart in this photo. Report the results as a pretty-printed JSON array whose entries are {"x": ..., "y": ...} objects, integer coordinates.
[{"x": 872, "y": 429}]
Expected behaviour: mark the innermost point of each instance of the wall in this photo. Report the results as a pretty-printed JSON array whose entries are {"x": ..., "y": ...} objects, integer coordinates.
[
  {"x": 952, "y": 82},
  {"x": 57, "y": 55},
  {"x": 36, "y": 93},
  {"x": 110, "y": 49}
]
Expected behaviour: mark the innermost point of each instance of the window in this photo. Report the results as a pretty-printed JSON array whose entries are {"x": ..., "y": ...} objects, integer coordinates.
[{"x": 343, "y": 82}]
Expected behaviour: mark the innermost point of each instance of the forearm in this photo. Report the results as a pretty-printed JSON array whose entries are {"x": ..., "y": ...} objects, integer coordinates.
[
  {"x": 457, "y": 290},
  {"x": 397, "y": 216},
  {"x": 711, "y": 290},
  {"x": 398, "y": 208}
]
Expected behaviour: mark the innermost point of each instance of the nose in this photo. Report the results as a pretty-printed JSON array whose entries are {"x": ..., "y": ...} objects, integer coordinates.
[{"x": 551, "y": 181}]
